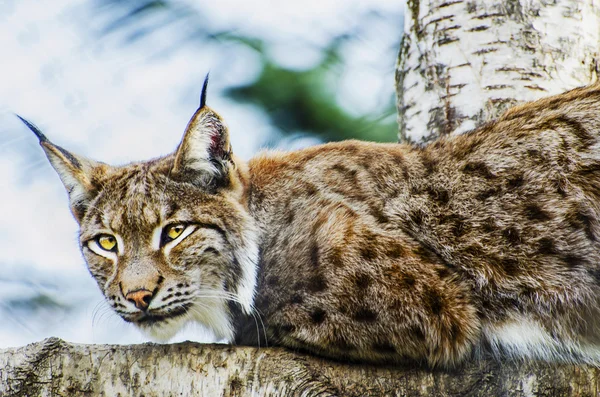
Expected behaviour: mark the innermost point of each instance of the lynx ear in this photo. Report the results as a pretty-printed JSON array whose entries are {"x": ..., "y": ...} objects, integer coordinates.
[
  {"x": 75, "y": 172},
  {"x": 204, "y": 154}
]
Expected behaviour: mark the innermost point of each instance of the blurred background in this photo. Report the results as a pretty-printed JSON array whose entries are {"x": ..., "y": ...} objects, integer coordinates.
[{"x": 118, "y": 80}]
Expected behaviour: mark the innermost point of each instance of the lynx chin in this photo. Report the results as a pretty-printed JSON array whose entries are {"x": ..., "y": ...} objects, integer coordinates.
[{"x": 484, "y": 243}]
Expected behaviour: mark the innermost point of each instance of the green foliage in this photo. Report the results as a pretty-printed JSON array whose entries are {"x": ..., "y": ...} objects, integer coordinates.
[
  {"x": 300, "y": 101},
  {"x": 296, "y": 101},
  {"x": 39, "y": 301}
]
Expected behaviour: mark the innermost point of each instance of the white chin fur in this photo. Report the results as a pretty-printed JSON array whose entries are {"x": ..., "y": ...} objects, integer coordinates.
[
  {"x": 165, "y": 330},
  {"x": 211, "y": 314}
]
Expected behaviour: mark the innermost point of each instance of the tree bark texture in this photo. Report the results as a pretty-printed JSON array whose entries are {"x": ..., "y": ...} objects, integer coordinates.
[
  {"x": 57, "y": 368},
  {"x": 464, "y": 62}
]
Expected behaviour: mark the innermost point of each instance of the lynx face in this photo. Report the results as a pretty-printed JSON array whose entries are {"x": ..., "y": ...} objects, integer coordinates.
[
  {"x": 162, "y": 259},
  {"x": 167, "y": 240}
]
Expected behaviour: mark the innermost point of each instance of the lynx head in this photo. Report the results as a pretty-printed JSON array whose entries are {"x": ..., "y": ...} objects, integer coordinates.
[{"x": 168, "y": 240}]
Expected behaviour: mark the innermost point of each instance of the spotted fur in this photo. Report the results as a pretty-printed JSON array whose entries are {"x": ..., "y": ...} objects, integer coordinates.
[{"x": 485, "y": 242}]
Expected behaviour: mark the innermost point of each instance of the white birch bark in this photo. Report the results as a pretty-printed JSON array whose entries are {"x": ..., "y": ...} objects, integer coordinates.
[
  {"x": 465, "y": 62},
  {"x": 56, "y": 368}
]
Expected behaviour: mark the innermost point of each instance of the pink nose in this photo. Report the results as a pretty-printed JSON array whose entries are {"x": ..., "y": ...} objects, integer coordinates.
[{"x": 140, "y": 298}]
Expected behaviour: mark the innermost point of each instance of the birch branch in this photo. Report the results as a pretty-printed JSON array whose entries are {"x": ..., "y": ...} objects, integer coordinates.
[{"x": 55, "y": 367}]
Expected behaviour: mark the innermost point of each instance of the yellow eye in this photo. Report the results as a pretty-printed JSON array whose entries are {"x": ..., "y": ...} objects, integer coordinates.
[
  {"x": 174, "y": 231},
  {"x": 107, "y": 242}
]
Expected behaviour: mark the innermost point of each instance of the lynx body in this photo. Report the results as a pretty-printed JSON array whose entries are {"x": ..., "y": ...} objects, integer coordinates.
[{"x": 484, "y": 242}]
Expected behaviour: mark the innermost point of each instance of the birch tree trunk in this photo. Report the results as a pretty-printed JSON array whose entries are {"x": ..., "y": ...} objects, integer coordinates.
[
  {"x": 57, "y": 368},
  {"x": 461, "y": 63}
]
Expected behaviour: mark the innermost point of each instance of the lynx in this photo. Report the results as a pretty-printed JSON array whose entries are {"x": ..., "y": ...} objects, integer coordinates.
[{"x": 484, "y": 243}]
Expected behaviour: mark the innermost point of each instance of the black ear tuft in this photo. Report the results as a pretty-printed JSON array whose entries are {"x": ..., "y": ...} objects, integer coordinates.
[
  {"x": 204, "y": 89},
  {"x": 33, "y": 128}
]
